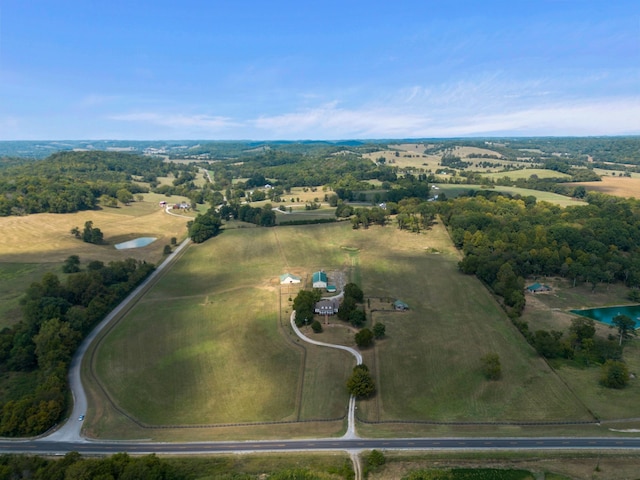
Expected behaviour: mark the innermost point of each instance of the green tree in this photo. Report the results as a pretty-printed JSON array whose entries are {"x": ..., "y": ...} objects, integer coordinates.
[
  {"x": 581, "y": 329},
  {"x": 375, "y": 458},
  {"x": 71, "y": 264},
  {"x": 166, "y": 250},
  {"x": 357, "y": 317},
  {"x": 304, "y": 305},
  {"x": 316, "y": 326},
  {"x": 354, "y": 291},
  {"x": 90, "y": 234},
  {"x": 491, "y": 367},
  {"x": 364, "y": 338},
  {"x": 204, "y": 226},
  {"x": 360, "y": 383},
  {"x": 379, "y": 330},
  {"x": 124, "y": 196},
  {"x": 626, "y": 327},
  {"x": 615, "y": 374}
]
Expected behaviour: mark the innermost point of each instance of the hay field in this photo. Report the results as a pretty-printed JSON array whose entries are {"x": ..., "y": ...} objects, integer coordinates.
[
  {"x": 619, "y": 186},
  {"x": 45, "y": 237},
  {"x": 209, "y": 343},
  {"x": 32, "y": 245}
]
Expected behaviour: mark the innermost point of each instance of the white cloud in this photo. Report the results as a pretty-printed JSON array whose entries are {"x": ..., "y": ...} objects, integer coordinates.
[
  {"x": 603, "y": 117},
  {"x": 178, "y": 121}
]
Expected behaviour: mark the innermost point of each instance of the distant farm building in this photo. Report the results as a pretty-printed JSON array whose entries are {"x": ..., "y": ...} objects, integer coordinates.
[
  {"x": 327, "y": 306},
  {"x": 287, "y": 278},
  {"x": 538, "y": 288},
  {"x": 162, "y": 203},
  {"x": 400, "y": 305},
  {"x": 320, "y": 280}
]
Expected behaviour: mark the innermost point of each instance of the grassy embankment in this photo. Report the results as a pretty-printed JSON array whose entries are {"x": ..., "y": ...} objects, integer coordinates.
[{"x": 209, "y": 344}]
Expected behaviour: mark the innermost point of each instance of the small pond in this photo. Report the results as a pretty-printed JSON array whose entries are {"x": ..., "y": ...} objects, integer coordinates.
[
  {"x": 135, "y": 243},
  {"x": 606, "y": 314}
]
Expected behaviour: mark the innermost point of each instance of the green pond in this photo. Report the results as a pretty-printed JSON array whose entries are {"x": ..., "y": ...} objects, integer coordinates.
[{"x": 607, "y": 314}]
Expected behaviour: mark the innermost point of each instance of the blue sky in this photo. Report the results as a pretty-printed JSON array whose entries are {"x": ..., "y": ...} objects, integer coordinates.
[{"x": 281, "y": 69}]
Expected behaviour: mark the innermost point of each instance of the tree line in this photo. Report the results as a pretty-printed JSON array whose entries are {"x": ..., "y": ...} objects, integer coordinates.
[
  {"x": 56, "y": 315},
  {"x": 122, "y": 466}
]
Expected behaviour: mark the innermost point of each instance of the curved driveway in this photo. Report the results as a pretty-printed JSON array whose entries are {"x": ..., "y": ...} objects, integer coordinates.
[
  {"x": 68, "y": 437},
  {"x": 351, "y": 428}
]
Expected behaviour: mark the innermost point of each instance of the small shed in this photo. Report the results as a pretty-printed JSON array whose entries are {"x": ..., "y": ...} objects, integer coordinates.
[
  {"x": 288, "y": 278},
  {"x": 319, "y": 280},
  {"x": 538, "y": 288},
  {"x": 331, "y": 288},
  {"x": 400, "y": 305}
]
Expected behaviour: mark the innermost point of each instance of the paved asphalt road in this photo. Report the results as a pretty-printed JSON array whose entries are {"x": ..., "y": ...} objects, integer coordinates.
[{"x": 42, "y": 447}]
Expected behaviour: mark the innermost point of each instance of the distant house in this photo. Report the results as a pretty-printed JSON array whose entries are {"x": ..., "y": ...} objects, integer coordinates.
[
  {"x": 538, "y": 288},
  {"x": 327, "y": 306},
  {"x": 400, "y": 305},
  {"x": 320, "y": 280},
  {"x": 289, "y": 278},
  {"x": 331, "y": 288},
  {"x": 162, "y": 203}
]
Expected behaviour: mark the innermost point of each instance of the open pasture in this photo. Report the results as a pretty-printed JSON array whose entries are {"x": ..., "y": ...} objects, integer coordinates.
[
  {"x": 526, "y": 174},
  {"x": 32, "y": 245},
  {"x": 428, "y": 366},
  {"x": 210, "y": 344},
  {"x": 619, "y": 186},
  {"x": 46, "y": 237},
  {"x": 453, "y": 190},
  {"x": 411, "y": 155}
]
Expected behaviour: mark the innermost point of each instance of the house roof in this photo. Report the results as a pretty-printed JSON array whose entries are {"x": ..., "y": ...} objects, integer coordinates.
[
  {"x": 285, "y": 276},
  {"x": 319, "y": 277},
  {"x": 400, "y": 304},
  {"x": 538, "y": 286}
]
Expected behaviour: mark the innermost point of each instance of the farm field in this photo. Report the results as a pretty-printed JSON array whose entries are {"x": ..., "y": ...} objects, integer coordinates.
[
  {"x": 210, "y": 343},
  {"x": 35, "y": 244},
  {"x": 453, "y": 190},
  {"x": 618, "y": 186},
  {"x": 526, "y": 173},
  {"x": 411, "y": 155}
]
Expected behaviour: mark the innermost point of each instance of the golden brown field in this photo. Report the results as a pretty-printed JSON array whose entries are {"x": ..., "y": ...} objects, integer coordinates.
[
  {"x": 46, "y": 237},
  {"x": 619, "y": 186}
]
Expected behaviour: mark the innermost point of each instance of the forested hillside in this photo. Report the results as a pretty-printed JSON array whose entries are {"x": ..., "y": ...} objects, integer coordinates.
[{"x": 70, "y": 181}]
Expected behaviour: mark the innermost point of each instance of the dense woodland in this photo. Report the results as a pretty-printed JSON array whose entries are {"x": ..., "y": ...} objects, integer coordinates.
[{"x": 505, "y": 239}]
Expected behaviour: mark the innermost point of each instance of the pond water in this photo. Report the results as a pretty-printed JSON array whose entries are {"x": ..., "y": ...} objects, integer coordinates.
[
  {"x": 606, "y": 314},
  {"x": 135, "y": 243}
]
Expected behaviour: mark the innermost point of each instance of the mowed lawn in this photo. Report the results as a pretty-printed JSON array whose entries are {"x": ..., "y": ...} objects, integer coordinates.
[{"x": 209, "y": 344}]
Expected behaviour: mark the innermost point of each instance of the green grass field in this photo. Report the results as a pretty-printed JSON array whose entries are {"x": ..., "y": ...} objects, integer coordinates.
[
  {"x": 209, "y": 344},
  {"x": 526, "y": 173}
]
